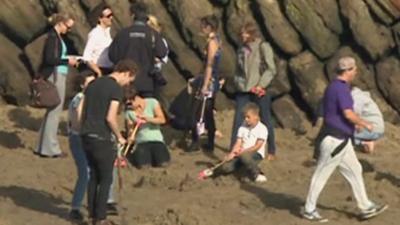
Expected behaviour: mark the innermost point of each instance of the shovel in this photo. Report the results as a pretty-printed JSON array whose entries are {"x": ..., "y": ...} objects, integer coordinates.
[
  {"x": 200, "y": 126},
  {"x": 204, "y": 174}
]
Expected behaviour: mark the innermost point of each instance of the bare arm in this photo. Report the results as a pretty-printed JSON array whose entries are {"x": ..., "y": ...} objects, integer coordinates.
[
  {"x": 356, "y": 120},
  {"x": 211, "y": 51},
  {"x": 79, "y": 110},
  {"x": 112, "y": 120},
  {"x": 159, "y": 117}
]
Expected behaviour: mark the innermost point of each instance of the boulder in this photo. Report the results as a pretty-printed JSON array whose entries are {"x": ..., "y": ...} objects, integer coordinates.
[
  {"x": 187, "y": 14},
  {"x": 283, "y": 34},
  {"x": 388, "y": 79},
  {"x": 90, "y": 4},
  {"x": 375, "y": 39},
  {"x": 391, "y": 6},
  {"x": 175, "y": 81},
  {"x": 22, "y": 20},
  {"x": 329, "y": 12},
  {"x": 288, "y": 115},
  {"x": 309, "y": 77},
  {"x": 396, "y": 35},
  {"x": 379, "y": 12},
  {"x": 280, "y": 85},
  {"x": 34, "y": 52},
  {"x": 238, "y": 12},
  {"x": 322, "y": 41},
  {"x": 14, "y": 77},
  {"x": 187, "y": 62}
]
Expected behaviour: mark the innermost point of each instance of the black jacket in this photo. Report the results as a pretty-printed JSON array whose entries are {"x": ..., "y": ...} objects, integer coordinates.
[
  {"x": 51, "y": 55},
  {"x": 142, "y": 44}
]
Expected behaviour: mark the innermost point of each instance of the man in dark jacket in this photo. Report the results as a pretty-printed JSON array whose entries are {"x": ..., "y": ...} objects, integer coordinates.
[{"x": 142, "y": 44}]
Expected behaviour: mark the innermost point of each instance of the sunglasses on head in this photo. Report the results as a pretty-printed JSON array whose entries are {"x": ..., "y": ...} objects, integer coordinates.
[{"x": 108, "y": 16}]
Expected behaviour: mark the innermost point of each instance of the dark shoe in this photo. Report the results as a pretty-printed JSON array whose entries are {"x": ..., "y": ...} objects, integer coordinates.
[
  {"x": 208, "y": 147},
  {"x": 194, "y": 147},
  {"x": 112, "y": 209},
  {"x": 75, "y": 214},
  {"x": 104, "y": 222}
]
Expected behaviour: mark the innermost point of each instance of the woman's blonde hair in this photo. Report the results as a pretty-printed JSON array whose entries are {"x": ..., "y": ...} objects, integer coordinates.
[
  {"x": 58, "y": 18},
  {"x": 152, "y": 21}
]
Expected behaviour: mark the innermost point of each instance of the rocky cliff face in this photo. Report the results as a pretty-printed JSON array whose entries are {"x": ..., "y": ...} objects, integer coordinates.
[{"x": 308, "y": 36}]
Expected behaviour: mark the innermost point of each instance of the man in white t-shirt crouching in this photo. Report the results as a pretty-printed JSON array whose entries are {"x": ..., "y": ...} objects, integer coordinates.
[{"x": 249, "y": 148}]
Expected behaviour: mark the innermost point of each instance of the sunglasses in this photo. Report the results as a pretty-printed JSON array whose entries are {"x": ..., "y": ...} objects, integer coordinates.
[
  {"x": 108, "y": 16},
  {"x": 68, "y": 27}
]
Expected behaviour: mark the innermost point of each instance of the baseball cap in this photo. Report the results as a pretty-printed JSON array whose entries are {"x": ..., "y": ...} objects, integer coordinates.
[{"x": 346, "y": 63}]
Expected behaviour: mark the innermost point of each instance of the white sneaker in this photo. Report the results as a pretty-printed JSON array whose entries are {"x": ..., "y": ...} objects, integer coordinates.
[
  {"x": 314, "y": 216},
  {"x": 373, "y": 211},
  {"x": 261, "y": 178}
]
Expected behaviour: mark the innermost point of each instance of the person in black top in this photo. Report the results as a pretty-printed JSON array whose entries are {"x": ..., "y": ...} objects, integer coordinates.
[
  {"x": 100, "y": 131},
  {"x": 142, "y": 44},
  {"x": 54, "y": 67}
]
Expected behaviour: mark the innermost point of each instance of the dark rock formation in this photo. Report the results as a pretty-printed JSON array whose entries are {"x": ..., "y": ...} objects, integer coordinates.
[
  {"x": 289, "y": 115},
  {"x": 283, "y": 34},
  {"x": 374, "y": 38},
  {"x": 308, "y": 73},
  {"x": 321, "y": 40}
]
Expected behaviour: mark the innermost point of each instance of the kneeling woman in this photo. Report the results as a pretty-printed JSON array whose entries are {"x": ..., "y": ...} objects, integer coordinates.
[{"x": 150, "y": 149}]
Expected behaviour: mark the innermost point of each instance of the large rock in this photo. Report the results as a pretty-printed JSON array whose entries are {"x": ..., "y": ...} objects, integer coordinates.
[
  {"x": 22, "y": 19},
  {"x": 34, "y": 52},
  {"x": 388, "y": 78},
  {"x": 380, "y": 12},
  {"x": 280, "y": 85},
  {"x": 14, "y": 77},
  {"x": 238, "y": 12},
  {"x": 288, "y": 115},
  {"x": 328, "y": 10},
  {"x": 188, "y": 63},
  {"x": 187, "y": 15},
  {"x": 90, "y": 4},
  {"x": 375, "y": 39},
  {"x": 309, "y": 77},
  {"x": 175, "y": 81},
  {"x": 284, "y": 35},
  {"x": 321, "y": 40},
  {"x": 365, "y": 80},
  {"x": 396, "y": 34},
  {"x": 391, "y": 6}
]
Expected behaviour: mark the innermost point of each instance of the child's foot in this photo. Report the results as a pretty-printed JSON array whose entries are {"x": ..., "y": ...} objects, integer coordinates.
[
  {"x": 368, "y": 146},
  {"x": 271, "y": 157},
  {"x": 260, "y": 178}
]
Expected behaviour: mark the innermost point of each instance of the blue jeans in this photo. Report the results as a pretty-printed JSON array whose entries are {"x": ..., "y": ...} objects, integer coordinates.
[
  {"x": 366, "y": 135},
  {"x": 79, "y": 156},
  {"x": 264, "y": 103}
]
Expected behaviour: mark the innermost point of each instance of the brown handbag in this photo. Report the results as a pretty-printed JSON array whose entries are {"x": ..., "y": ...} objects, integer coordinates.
[{"x": 44, "y": 94}]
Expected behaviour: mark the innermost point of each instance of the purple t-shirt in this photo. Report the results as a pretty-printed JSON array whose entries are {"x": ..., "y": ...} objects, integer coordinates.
[{"x": 336, "y": 99}]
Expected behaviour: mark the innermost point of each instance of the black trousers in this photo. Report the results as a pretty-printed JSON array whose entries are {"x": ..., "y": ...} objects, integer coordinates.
[
  {"x": 150, "y": 153},
  {"x": 208, "y": 120},
  {"x": 100, "y": 154}
]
